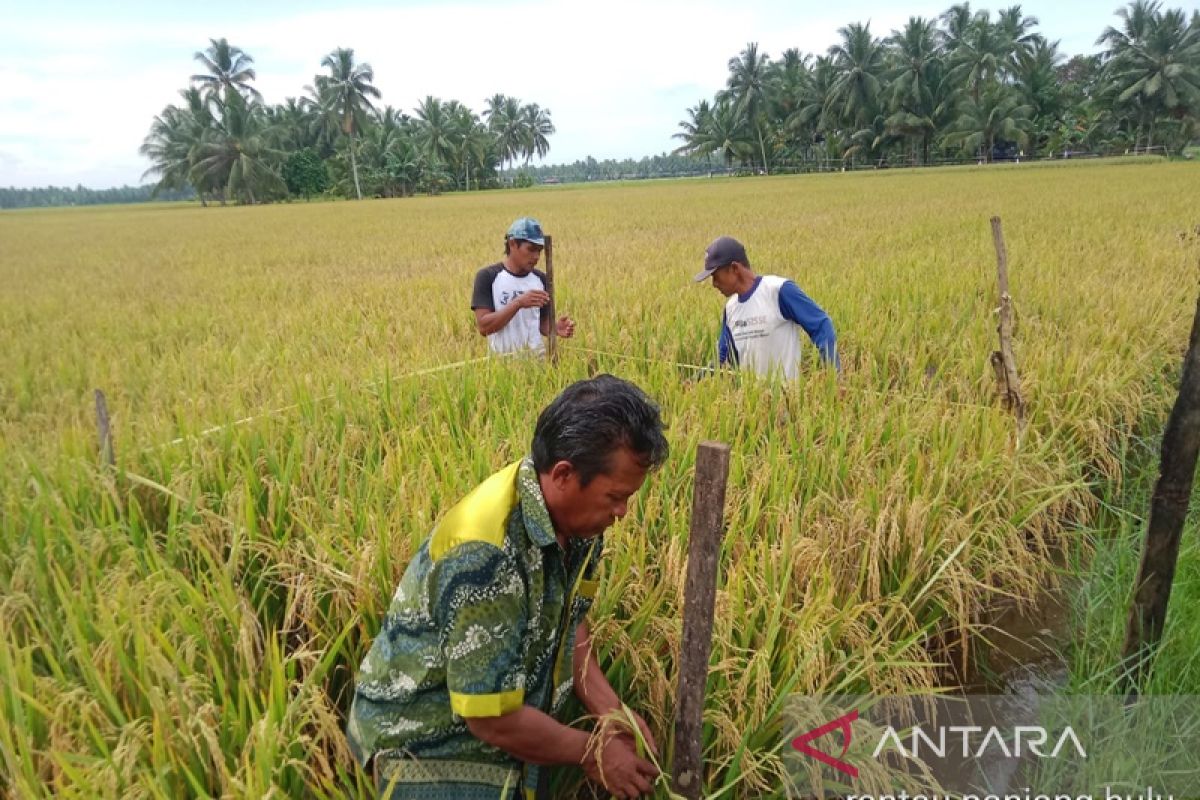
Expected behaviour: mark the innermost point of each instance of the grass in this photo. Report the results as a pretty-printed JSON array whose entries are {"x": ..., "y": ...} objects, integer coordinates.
[
  {"x": 1102, "y": 605},
  {"x": 189, "y": 625}
]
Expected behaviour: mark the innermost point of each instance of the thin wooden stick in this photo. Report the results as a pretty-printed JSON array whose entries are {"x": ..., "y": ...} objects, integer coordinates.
[
  {"x": 552, "y": 345},
  {"x": 108, "y": 456},
  {"x": 1003, "y": 361}
]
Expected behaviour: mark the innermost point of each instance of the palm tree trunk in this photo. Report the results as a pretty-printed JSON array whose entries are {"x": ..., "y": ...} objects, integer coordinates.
[
  {"x": 762, "y": 147},
  {"x": 354, "y": 168}
]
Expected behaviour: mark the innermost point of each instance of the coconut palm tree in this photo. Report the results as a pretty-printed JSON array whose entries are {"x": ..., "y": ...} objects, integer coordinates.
[
  {"x": 812, "y": 119},
  {"x": 433, "y": 129},
  {"x": 345, "y": 94},
  {"x": 727, "y": 133},
  {"x": 296, "y": 124},
  {"x": 694, "y": 130},
  {"x": 236, "y": 152},
  {"x": 228, "y": 69},
  {"x": 169, "y": 148},
  {"x": 1136, "y": 19},
  {"x": 999, "y": 113},
  {"x": 1160, "y": 70},
  {"x": 1037, "y": 80},
  {"x": 172, "y": 142},
  {"x": 980, "y": 57},
  {"x": 854, "y": 99},
  {"x": 476, "y": 145},
  {"x": 916, "y": 79},
  {"x": 1016, "y": 32},
  {"x": 506, "y": 122},
  {"x": 537, "y": 128},
  {"x": 748, "y": 87},
  {"x": 955, "y": 22}
]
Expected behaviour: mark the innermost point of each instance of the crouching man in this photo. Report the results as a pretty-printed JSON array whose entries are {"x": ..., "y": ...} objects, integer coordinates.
[{"x": 486, "y": 636}]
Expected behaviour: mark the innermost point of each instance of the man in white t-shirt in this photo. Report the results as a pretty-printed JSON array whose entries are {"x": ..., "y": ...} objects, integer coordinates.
[
  {"x": 764, "y": 314},
  {"x": 510, "y": 301}
]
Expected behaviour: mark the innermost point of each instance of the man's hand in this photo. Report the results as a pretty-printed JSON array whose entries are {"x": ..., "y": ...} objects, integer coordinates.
[
  {"x": 646, "y": 734},
  {"x": 615, "y": 765},
  {"x": 534, "y": 298},
  {"x": 565, "y": 327}
]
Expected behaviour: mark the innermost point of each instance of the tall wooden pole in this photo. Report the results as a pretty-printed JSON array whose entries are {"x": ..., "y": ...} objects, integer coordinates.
[
  {"x": 704, "y": 548},
  {"x": 1168, "y": 513},
  {"x": 552, "y": 346},
  {"x": 1003, "y": 362}
]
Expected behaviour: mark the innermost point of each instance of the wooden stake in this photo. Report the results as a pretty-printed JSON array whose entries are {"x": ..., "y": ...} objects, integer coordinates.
[
  {"x": 1168, "y": 512},
  {"x": 704, "y": 547},
  {"x": 552, "y": 345},
  {"x": 1003, "y": 362},
  {"x": 108, "y": 456}
]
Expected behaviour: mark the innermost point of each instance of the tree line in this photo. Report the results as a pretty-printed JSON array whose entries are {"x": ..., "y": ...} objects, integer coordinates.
[
  {"x": 227, "y": 145},
  {"x": 964, "y": 84},
  {"x": 13, "y": 197}
]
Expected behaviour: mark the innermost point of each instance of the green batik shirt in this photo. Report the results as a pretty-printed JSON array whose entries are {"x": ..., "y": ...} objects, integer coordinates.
[{"x": 483, "y": 622}]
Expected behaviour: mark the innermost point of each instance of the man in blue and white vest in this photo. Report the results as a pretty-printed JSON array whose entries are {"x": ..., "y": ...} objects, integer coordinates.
[{"x": 759, "y": 326}]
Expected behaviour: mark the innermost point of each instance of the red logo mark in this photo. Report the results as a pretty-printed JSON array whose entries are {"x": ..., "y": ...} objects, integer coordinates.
[{"x": 801, "y": 743}]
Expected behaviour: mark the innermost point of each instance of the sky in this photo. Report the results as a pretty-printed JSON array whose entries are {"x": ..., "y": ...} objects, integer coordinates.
[{"x": 81, "y": 81}]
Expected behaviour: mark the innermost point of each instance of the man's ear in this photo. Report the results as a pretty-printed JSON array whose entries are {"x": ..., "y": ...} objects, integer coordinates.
[{"x": 562, "y": 473}]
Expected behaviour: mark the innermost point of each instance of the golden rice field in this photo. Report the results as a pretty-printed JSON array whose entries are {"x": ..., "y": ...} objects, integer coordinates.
[{"x": 189, "y": 625}]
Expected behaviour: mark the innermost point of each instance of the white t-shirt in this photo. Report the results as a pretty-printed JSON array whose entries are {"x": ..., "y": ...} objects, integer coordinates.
[
  {"x": 766, "y": 341},
  {"x": 495, "y": 288}
]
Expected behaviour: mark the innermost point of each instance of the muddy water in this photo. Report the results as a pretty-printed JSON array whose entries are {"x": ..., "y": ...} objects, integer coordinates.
[
  {"x": 1028, "y": 648},
  {"x": 1025, "y": 661}
]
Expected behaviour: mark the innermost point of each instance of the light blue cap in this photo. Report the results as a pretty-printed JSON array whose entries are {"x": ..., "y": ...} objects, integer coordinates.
[{"x": 527, "y": 228}]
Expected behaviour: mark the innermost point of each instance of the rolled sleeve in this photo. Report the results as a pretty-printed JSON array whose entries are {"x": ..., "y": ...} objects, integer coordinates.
[{"x": 479, "y": 606}]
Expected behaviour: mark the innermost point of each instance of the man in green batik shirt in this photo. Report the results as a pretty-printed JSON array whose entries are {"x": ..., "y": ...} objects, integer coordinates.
[{"x": 486, "y": 637}]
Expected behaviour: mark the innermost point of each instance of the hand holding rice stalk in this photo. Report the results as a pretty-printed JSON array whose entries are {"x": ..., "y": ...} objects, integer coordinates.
[{"x": 623, "y": 726}]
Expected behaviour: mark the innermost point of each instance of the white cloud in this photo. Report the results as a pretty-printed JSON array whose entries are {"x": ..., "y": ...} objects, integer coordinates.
[{"x": 77, "y": 97}]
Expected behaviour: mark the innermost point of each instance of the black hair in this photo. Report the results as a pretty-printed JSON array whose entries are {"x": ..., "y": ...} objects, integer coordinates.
[
  {"x": 512, "y": 240},
  {"x": 590, "y": 420}
]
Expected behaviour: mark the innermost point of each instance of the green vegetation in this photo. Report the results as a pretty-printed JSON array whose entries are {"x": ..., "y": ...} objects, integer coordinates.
[
  {"x": 964, "y": 85},
  {"x": 224, "y": 143},
  {"x": 188, "y": 624}
]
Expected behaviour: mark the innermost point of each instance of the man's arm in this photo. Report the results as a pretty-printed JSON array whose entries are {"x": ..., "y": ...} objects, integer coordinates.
[
  {"x": 488, "y": 322},
  {"x": 488, "y": 319},
  {"x": 798, "y": 307},
  {"x": 726, "y": 350},
  {"x": 532, "y": 736},
  {"x": 592, "y": 686},
  {"x": 484, "y": 670}
]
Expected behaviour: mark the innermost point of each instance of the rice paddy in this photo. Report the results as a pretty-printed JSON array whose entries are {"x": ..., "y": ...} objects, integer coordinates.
[{"x": 188, "y": 624}]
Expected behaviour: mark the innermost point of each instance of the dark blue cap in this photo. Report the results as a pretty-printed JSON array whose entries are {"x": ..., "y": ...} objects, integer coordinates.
[{"x": 722, "y": 252}]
